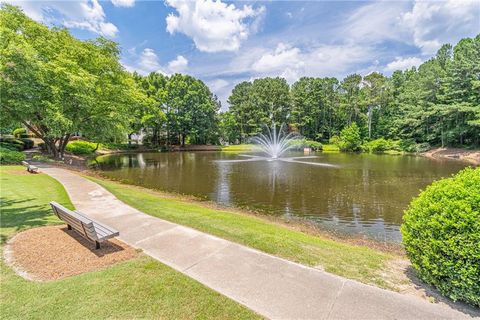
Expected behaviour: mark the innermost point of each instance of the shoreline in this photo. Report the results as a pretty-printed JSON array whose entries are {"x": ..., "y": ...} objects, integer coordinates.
[{"x": 465, "y": 155}]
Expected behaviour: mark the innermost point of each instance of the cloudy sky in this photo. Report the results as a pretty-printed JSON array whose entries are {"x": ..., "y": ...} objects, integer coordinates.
[{"x": 224, "y": 42}]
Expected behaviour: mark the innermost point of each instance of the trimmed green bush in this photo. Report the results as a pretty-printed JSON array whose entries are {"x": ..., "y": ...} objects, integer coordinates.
[
  {"x": 17, "y": 133},
  {"x": 18, "y": 144},
  {"x": 8, "y": 156},
  {"x": 441, "y": 234},
  {"x": 80, "y": 147},
  {"x": 10, "y": 146}
]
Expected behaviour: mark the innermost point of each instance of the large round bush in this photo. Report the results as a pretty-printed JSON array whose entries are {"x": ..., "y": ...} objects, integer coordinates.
[
  {"x": 80, "y": 147},
  {"x": 441, "y": 234}
]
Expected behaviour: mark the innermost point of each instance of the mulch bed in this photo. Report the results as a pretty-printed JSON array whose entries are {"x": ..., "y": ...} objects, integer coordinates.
[{"x": 53, "y": 252}]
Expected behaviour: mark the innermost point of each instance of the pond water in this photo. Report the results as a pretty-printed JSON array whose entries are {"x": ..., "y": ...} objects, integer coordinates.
[{"x": 365, "y": 194}]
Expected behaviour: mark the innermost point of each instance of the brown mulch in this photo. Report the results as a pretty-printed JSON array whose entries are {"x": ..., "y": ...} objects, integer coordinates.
[{"x": 53, "y": 252}]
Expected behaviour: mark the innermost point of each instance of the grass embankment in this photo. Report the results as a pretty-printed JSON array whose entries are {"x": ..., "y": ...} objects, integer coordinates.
[
  {"x": 239, "y": 148},
  {"x": 139, "y": 288},
  {"x": 352, "y": 261}
]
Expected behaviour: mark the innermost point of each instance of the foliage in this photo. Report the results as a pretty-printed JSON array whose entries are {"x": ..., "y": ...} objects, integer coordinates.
[
  {"x": 13, "y": 144},
  {"x": 381, "y": 145},
  {"x": 441, "y": 234},
  {"x": 80, "y": 147},
  {"x": 56, "y": 85},
  {"x": 330, "y": 148},
  {"x": 8, "y": 156},
  {"x": 41, "y": 158},
  {"x": 260, "y": 103},
  {"x": 350, "y": 139},
  {"x": 18, "y": 132},
  {"x": 299, "y": 144}
]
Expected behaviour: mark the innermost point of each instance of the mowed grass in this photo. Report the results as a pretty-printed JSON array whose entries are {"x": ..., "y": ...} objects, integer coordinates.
[
  {"x": 138, "y": 289},
  {"x": 352, "y": 261},
  {"x": 239, "y": 148}
]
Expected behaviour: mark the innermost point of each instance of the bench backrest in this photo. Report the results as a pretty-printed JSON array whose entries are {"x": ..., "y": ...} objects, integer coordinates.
[
  {"x": 25, "y": 163},
  {"x": 78, "y": 222}
]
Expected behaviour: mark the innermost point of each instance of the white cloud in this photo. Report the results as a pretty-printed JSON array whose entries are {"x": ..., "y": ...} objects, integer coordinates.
[
  {"x": 178, "y": 65},
  {"x": 374, "y": 22},
  {"x": 213, "y": 25},
  {"x": 82, "y": 14},
  {"x": 123, "y": 3},
  {"x": 217, "y": 84},
  {"x": 403, "y": 63},
  {"x": 292, "y": 63},
  {"x": 433, "y": 23},
  {"x": 148, "y": 61}
]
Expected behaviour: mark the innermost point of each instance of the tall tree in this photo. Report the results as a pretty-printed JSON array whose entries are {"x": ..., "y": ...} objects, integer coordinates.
[{"x": 57, "y": 85}]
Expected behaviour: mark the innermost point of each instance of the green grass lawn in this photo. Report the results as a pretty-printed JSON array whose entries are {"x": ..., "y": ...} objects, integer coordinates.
[
  {"x": 351, "y": 261},
  {"x": 139, "y": 288},
  {"x": 239, "y": 148}
]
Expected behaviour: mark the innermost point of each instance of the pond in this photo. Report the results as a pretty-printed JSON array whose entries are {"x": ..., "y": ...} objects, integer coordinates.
[{"x": 362, "y": 194}]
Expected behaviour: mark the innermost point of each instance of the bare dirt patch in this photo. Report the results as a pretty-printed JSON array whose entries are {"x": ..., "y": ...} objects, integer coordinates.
[
  {"x": 53, "y": 252},
  {"x": 470, "y": 156}
]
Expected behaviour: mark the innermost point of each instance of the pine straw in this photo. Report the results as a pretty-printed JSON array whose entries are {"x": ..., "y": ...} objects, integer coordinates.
[{"x": 53, "y": 252}]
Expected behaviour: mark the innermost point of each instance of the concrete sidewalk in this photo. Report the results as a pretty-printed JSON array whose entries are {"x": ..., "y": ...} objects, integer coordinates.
[{"x": 273, "y": 287}]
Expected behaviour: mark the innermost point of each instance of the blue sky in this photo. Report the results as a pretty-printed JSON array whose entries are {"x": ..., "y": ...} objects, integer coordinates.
[{"x": 224, "y": 43}]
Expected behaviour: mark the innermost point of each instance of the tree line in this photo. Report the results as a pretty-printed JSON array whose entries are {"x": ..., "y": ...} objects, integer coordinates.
[
  {"x": 437, "y": 103},
  {"x": 57, "y": 86}
]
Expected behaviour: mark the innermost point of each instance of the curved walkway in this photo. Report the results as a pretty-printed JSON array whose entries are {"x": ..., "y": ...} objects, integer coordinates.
[{"x": 273, "y": 287}]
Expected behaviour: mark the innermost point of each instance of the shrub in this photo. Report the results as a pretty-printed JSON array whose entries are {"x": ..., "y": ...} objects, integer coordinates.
[
  {"x": 17, "y": 133},
  {"x": 350, "y": 139},
  {"x": 335, "y": 140},
  {"x": 10, "y": 146},
  {"x": 377, "y": 145},
  {"x": 42, "y": 158},
  {"x": 441, "y": 234},
  {"x": 299, "y": 144},
  {"x": 330, "y": 148},
  {"x": 27, "y": 143},
  {"x": 81, "y": 147},
  {"x": 8, "y": 156},
  {"x": 381, "y": 145},
  {"x": 18, "y": 144}
]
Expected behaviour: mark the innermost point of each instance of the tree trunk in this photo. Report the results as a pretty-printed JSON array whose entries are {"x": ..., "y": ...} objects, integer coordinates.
[{"x": 183, "y": 140}]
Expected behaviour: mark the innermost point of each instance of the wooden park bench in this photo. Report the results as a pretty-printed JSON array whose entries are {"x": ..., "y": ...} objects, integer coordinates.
[
  {"x": 30, "y": 167},
  {"x": 87, "y": 227}
]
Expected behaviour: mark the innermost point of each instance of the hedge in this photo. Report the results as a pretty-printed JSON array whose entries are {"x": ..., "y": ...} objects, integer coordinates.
[
  {"x": 8, "y": 156},
  {"x": 441, "y": 235}
]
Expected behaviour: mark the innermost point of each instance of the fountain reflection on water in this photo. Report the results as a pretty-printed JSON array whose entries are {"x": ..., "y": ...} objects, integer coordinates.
[{"x": 275, "y": 143}]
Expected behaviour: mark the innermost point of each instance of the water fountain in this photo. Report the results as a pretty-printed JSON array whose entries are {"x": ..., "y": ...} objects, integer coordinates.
[{"x": 274, "y": 144}]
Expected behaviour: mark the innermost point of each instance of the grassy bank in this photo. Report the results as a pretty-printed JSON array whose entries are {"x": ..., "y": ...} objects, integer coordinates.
[
  {"x": 352, "y": 261},
  {"x": 239, "y": 148},
  {"x": 139, "y": 288}
]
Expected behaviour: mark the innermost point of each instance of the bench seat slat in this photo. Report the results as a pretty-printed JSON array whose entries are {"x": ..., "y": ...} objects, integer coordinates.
[{"x": 88, "y": 227}]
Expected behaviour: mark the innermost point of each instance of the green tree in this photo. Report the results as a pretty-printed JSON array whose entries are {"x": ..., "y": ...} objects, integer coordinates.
[
  {"x": 350, "y": 139},
  {"x": 192, "y": 110},
  {"x": 56, "y": 85}
]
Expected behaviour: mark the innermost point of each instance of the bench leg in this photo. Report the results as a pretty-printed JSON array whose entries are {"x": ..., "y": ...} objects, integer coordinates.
[
  {"x": 69, "y": 227},
  {"x": 97, "y": 245}
]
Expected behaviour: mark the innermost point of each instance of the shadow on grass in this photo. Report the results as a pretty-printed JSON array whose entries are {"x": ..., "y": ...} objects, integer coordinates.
[
  {"x": 432, "y": 292},
  {"x": 19, "y": 215},
  {"x": 106, "y": 247}
]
